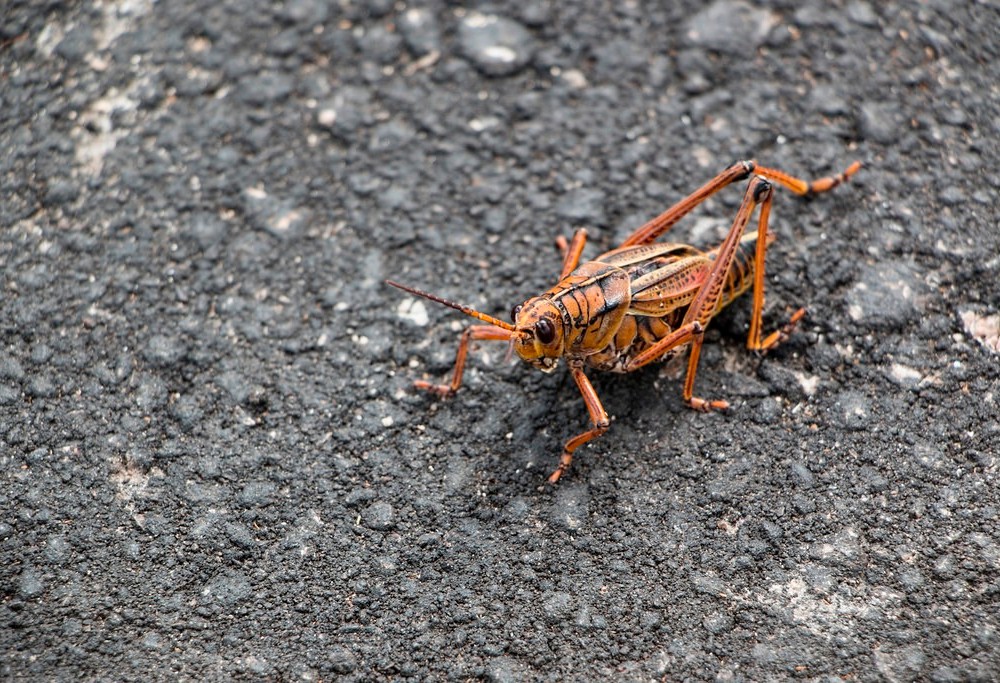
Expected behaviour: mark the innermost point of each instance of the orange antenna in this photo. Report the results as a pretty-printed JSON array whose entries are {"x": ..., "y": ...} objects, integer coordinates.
[{"x": 458, "y": 307}]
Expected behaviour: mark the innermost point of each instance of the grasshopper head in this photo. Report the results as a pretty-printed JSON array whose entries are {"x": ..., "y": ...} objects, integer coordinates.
[{"x": 538, "y": 333}]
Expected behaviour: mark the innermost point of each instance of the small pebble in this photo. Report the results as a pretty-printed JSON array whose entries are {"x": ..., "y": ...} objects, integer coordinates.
[
  {"x": 380, "y": 45},
  {"x": 905, "y": 376},
  {"x": 570, "y": 509},
  {"x": 903, "y": 664},
  {"x": 240, "y": 536},
  {"x": 151, "y": 393},
  {"x": 985, "y": 329},
  {"x": 77, "y": 42},
  {"x": 207, "y": 230},
  {"x": 854, "y": 410},
  {"x": 379, "y": 516},
  {"x": 257, "y": 493},
  {"x": 420, "y": 30},
  {"x": 277, "y": 217},
  {"x": 557, "y": 606},
  {"x": 228, "y": 588},
  {"x": 718, "y": 623},
  {"x": 861, "y": 13},
  {"x": 164, "y": 350},
  {"x": 359, "y": 496},
  {"x": 42, "y": 386},
  {"x": 30, "y": 586},
  {"x": 341, "y": 660},
  {"x": 801, "y": 475},
  {"x": 265, "y": 88},
  {"x": 497, "y": 46},
  {"x": 583, "y": 206},
  {"x": 879, "y": 122},
  {"x": 885, "y": 297},
  {"x": 11, "y": 368},
  {"x": 730, "y": 26},
  {"x": 307, "y": 12},
  {"x": 61, "y": 192}
]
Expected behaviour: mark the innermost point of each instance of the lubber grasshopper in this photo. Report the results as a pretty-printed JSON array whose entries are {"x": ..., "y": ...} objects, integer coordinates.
[{"x": 643, "y": 301}]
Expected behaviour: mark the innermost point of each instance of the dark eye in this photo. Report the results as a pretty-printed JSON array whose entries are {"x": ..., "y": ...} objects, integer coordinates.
[
  {"x": 545, "y": 331},
  {"x": 514, "y": 311}
]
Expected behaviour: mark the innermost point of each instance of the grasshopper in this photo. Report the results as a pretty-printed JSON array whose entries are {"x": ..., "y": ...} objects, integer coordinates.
[{"x": 642, "y": 301}]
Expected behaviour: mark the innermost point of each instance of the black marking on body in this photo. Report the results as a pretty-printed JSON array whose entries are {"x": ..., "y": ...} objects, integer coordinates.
[{"x": 615, "y": 359}]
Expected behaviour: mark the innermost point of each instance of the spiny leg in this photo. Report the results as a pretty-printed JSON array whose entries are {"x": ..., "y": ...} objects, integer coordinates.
[
  {"x": 802, "y": 188},
  {"x": 776, "y": 337},
  {"x": 703, "y": 307},
  {"x": 705, "y": 303},
  {"x": 666, "y": 220},
  {"x": 598, "y": 418},
  {"x": 470, "y": 333},
  {"x": 780, "y": 335},
  {"x": 692, "y": 370},
  {"x": 571, "y": 251},
  {"x": 807, "y": 188},
  {"x": 735, "y": 173}
]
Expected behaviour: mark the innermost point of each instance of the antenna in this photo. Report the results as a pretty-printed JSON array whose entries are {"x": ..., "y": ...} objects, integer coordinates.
[{"x": 458, "y": 307}]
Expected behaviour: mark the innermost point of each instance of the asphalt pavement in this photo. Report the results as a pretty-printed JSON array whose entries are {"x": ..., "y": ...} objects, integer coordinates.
[{"x": 215, "y": 465}]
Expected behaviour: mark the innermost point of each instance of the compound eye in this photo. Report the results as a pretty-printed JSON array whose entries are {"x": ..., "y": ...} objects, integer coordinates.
[
  {"x": 545, "y": 331},
  {"x": 514, "y": 311}
]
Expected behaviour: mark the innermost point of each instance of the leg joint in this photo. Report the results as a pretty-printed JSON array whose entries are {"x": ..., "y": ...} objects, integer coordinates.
[
  {"x": 762, "y": 189},
  {"x": 748, "y": 166}
]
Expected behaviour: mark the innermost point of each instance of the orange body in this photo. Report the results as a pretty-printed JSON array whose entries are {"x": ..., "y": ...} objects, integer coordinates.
[
  {"x": 644, "y": 301},
  {"x": 609, "y": 310}
]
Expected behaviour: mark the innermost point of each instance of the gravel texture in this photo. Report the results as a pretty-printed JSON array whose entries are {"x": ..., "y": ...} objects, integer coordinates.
[{"x": 214, "y": 463}]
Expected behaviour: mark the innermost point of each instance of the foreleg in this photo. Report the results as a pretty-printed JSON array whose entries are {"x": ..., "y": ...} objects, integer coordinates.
[
  {"x": 470, "y": 333},
  {"x": 598, "y": 418}
]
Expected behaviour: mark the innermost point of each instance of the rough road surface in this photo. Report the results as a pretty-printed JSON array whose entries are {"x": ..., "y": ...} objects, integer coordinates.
[{"x": 214, "y": 464}]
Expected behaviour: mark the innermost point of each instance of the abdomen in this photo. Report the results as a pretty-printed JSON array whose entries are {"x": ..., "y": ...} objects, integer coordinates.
[{"x": 639, "y": 330}]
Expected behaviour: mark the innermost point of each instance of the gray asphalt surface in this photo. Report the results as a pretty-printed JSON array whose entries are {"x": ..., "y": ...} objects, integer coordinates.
[{"x": 215, "y": 466}]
